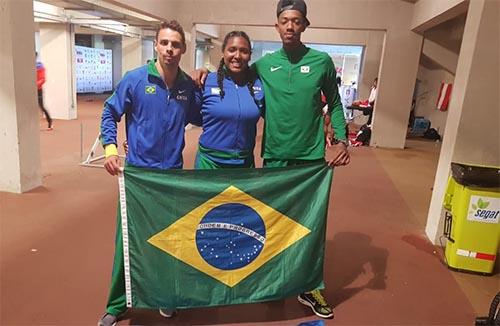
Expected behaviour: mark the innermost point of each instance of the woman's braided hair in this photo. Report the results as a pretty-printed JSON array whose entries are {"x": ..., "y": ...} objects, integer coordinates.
[{"x": 221, "y": 71}]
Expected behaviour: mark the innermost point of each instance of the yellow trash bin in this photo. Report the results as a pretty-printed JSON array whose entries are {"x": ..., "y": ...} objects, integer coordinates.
[{"x": 472, "y": 223}]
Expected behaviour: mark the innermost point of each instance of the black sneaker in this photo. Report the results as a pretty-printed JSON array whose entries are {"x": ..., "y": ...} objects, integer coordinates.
[
  {"x": 317, "y": 303},
  {"x": 107, "y": 320}
]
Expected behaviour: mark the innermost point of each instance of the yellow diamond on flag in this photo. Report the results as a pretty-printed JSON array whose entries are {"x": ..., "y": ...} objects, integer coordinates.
[{"x": 230, "y": 236}]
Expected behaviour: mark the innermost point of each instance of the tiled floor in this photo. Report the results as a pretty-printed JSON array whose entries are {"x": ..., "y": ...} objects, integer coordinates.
[{"x": 57, "y": 244}]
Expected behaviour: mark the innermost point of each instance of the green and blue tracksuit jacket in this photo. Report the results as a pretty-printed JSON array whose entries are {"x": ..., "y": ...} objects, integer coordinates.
[{"x": 155, "y": 116}]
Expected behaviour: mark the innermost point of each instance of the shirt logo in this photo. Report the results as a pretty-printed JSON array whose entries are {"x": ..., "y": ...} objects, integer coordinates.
[
  {"x": 150, "y": 89},
  {"x": 181, "y": 97},
  {"x": 305, "y": 69},
  {"x": 273, "y": 69},
  {"x": 182, "y": 91},
  {"x": 215, "y": 91}
]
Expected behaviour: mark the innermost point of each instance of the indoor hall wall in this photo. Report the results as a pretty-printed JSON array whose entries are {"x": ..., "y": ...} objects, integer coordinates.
[
  {"x": 147, "y": 50},
  {"x": 98, "y": 42},
  {"x": 20, "y": 169},
  {"x": 57, "y": 54},
  {"x": 131, "y": 53},
  {"x": 215, "y": 54},
  {"x": 348, "y": 14},
  {"x": 400, "y": 55},
  {"x": 429, "y": 13},
  {"x": 114, "y": 43},
  {"x": 427, "y": 94},
  {"x": 37, "y": 40}
]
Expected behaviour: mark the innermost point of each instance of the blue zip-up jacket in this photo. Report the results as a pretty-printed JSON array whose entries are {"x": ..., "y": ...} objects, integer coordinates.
[
  {"x": 155, "y": 116},
  {"x": 229, "y": 124}
]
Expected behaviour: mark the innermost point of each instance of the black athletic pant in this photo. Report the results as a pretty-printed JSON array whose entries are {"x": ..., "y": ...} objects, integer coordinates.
[
  {"x": 369, "y": 112},
  {"x": 40, "y": 103}
]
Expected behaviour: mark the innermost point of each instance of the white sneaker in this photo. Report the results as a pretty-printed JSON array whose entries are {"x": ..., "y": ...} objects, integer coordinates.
[{"x": 167, "y": 313}]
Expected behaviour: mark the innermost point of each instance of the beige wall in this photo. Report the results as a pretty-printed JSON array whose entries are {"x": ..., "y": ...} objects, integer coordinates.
[
  {"x": 131, "y": 53},
  {"x": 429, "y": 13},
  {"x": 481, "y": 106},
  {"x": 209, "y": 30},
  {"x": 445, "y": 58},
  {"x": 396, "y": 83},
  {"x": 430, "y": 81},
  {"x": 399, "y": 59},
  {"x": 147, "y": 50},
  {"x": 19, "y": 112},
  {"x": 214, "y": 55},
  {"x": 57, "y": 46}
]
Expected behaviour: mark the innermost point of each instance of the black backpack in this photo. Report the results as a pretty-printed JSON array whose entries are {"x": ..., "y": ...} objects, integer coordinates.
[
  {"x": 364, "y": 135},
  {"x": 432, "y": 133}
]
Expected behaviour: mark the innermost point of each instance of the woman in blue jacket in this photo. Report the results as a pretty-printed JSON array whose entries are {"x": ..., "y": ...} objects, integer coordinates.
[{"x": 232, "y": 103}]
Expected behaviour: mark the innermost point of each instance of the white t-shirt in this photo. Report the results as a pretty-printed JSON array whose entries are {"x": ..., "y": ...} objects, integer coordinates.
[{"x": 373, "y": 95}]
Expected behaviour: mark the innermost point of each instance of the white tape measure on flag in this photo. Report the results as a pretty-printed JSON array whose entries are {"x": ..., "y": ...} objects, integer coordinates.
[{"x": 124, "y": 223}]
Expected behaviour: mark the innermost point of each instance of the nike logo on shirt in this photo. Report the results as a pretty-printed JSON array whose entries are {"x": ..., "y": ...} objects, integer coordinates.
[
  {"x": 273, "y": 69},
  {"x": 181, "y": 91}
]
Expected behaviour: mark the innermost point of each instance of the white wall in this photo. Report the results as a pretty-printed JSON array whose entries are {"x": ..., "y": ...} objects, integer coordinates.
[
  {"x": 19, "y": 112},
  {"x": 114, "y": 43},
  {"x": 147, "y": 50},
  {"x": 57, "y": 54},
  {"x": 98, "y": 42}
]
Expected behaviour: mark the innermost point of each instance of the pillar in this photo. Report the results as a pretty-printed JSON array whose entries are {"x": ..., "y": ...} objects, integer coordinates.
[
  {"x": 472, "y": 128},
  {"x": 19, "y": 123},
  {"x": 131, "y": 53},
  {"x": 395, "y": 88},
  {"x": 57, "y": 53}
]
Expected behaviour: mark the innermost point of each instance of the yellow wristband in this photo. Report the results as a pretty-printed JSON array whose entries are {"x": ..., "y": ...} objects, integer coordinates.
[{"x": 110, "y": 150}]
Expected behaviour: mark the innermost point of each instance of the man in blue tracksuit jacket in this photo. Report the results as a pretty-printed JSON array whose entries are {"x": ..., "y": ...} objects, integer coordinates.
[
  {"x": 158, "y": 100},
  {"x": 155, "y": 116}
]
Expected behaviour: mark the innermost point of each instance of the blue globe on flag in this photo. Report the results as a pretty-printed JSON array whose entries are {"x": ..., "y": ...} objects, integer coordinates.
[{"x": 230, "y": 236}]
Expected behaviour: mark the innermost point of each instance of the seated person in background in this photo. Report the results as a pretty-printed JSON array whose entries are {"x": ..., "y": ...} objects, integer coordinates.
[{"x": 367, "y": 105}]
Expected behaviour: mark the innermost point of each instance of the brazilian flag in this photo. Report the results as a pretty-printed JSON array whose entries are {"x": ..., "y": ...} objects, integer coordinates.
[{"x": 195, "y": 238}]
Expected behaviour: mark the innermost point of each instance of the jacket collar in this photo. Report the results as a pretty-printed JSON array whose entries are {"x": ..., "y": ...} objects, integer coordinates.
[
  {"x": 153, "y": 71},
  {"x": 296, "y": 54}
]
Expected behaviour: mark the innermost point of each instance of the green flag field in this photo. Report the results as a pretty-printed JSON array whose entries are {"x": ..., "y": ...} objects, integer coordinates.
[{"x": 197, "y": 238}]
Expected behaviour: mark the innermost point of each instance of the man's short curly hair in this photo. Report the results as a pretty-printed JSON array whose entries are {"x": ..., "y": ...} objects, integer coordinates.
[{"x": 173, "y": 25}]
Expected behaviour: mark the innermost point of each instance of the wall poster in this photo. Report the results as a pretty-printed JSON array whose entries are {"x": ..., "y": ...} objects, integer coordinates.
[{"x": 94, "y": 70}]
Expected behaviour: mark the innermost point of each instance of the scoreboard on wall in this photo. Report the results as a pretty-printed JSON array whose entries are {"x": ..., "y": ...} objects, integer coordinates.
[{"x": 94, "y": 70}]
